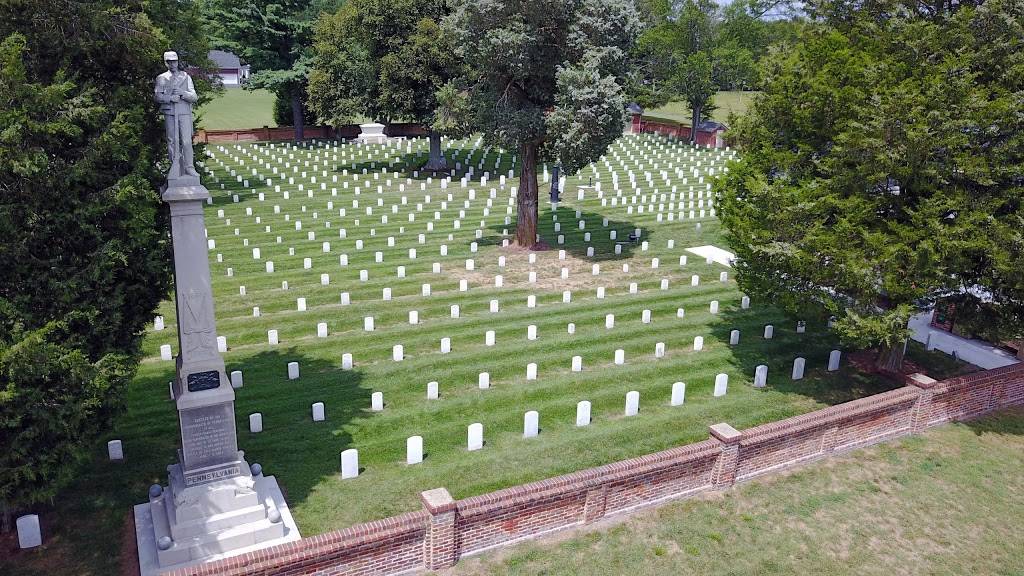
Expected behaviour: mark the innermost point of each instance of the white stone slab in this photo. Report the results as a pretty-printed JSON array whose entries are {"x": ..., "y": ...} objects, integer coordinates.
[
  {"x": 678, "y": 394},
  {"x": 715, "y": 254},
  {"x": 721, "y": 384},
  {"x": 583, "y": 413}
]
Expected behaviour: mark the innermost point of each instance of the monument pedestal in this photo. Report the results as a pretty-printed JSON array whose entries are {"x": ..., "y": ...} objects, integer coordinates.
[
  {"x": 182, "y": 526},
  {"x": 214, "y": 504},
  {"x": 372, "y": 133}
]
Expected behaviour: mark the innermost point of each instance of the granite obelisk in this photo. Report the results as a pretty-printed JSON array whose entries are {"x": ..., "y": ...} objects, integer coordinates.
[{"x": 214, "y": 504}]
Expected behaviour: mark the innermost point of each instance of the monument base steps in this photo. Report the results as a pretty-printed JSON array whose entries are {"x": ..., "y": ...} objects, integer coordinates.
[{"x": 220, "y": 534}]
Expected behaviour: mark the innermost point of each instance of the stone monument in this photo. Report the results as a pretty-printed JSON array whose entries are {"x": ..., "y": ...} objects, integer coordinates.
[
  {"x": 214, "y": 505},
  {"x": 372, "y": 133}
]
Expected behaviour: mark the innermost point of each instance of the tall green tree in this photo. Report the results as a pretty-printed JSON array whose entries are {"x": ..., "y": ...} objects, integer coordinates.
[
  {"x": 385, "y": 59},
  {"x": 84, "y": 261},
  {"x": 882, "y": 169},
  {"x": 275, "y": 37},
  {"x": 544, "y": 78}
]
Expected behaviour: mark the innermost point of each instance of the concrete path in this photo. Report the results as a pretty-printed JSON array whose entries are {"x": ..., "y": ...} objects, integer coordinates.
[{"x": 977, "y": 352}]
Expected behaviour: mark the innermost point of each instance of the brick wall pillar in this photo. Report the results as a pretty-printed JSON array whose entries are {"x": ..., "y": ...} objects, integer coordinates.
[
  {"x": 593, "y": 508},
  {"x": 923, "y": 407},
  {"x": 724, "y": 473},
  {"x": 439, "y": 541},
  {"x": 636, "y": 124}
]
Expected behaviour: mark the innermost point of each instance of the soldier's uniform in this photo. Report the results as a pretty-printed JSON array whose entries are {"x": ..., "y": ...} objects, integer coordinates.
[{"x": 178, "y": 116}]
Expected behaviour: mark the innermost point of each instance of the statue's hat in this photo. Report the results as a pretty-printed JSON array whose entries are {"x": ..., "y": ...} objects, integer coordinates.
[{"x": 170, "y": 55}]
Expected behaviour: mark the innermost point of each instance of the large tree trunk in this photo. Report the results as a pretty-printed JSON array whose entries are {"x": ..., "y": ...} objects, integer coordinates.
[
  {"x": 297, "y": 115},
  {"x": 437, "y": 161},
  {"x": 890, "y": 358},
  {"x": 696, "y": 122},
  {"x": 526, "y": 222}
]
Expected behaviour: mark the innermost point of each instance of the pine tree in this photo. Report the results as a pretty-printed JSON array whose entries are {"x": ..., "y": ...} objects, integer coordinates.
[
  {"x": 85, "y": 260},
  {"x": 882, "y": 170}
]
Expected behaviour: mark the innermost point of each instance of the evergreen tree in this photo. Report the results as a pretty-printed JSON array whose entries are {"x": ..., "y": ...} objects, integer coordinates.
[
  {"x": 275, "y": 37},
  {"x": 545, "y": 77},
  {"x": 385, "y": 59},
  {"x": 882, "y": 169},
  {"x": 84, "y": 260}
]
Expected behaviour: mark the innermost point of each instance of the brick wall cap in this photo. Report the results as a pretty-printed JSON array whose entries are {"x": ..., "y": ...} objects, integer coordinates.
[
  {"x": 726, "y": 433},
  {"x": 922, "y": 380},
  {"x": 437, "y": 501}
]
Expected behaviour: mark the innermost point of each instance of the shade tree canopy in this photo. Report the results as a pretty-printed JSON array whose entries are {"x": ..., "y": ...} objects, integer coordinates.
[
  {"x": 385, "y": 59},
  {"x": 882, "y": 170},
  {"x": 544, "y": 78}
]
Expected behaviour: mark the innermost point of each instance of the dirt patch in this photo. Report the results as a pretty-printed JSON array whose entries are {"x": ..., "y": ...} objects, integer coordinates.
[
  {"x": 548, "y": 267},
  {"x": 129, "y": 547}
]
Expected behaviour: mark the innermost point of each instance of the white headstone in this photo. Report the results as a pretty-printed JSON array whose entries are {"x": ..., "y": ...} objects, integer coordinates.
[
  {"x": 769, "y": 331},
  {"x": 698, "y": 343},
  {"x": 659, "y": 350},
  {"x": 377, "y": 401},
  {"x": 29, "y": 534},
  {"x": 397, "y": 352},
  {"x": 745, "y": 302},
  {"x": 798, "y": 368},
  {"x": 346, "y": 361},
  {"x": 531, "y": 371},
  {"x": 583, "y": 413},
  {"x": 236, "y": 379},
  {"x": 115, "y": 451},
  {"x": 318, "y": 412},
  {"x": 489, "y": 338},
  {"x": 475, "y": 436},
  {"x": 609, "y": 321},
  {"x": 632, "y": 403},
  {"x": 760, "y": 376},
  {"x": 833, "y": 360},
  {"x": 432, "y": 391},
  {"x": 321, "y": 330},
  {"x": 368, "y": 324},
  {"x": 620, "y": 357},
  {"x": 678, "y": 394},
  {"x": 293, "y": 370},
  {"x": 734, "y": 337},
  {"x": 272, "y": 337},
  {"x": 531, "y": 424},
  {"x": 165, "y": 352},
  {"x": 721, "y": 384},
  {"x": 414, "y": 450},
  {"x": 483, "y": 380},
  {"x": 349, "y": 463},
  {"x": 577, "y": 363},
  {"x": 714, "y": 306},
  {"x": 256, "y": 422}
]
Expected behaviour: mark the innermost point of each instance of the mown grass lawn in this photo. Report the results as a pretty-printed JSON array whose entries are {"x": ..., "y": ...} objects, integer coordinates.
[
  {"x": 85, "y": 525},
  {"x": 237, "y": 109},
  {"x": 728, "y": 102},
  {"x": 947, "y": 502}
]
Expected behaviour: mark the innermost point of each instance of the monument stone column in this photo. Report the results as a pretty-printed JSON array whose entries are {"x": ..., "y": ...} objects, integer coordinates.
[{"x": 214, "y": 505}]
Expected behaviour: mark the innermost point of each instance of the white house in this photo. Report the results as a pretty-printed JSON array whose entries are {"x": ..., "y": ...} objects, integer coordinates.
[{"x": 230, "y": 69}]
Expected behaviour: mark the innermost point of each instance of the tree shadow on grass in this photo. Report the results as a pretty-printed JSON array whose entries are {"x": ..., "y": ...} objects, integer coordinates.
[
  {"x": 299, "y": 451},
  {"x": 88, "y": 525},
  {"x": 600, "y": 239},
  {"x": 779, "y": 353}
]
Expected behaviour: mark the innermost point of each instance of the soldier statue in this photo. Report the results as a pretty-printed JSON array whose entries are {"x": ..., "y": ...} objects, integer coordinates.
[{"x": 176, "y": 94}]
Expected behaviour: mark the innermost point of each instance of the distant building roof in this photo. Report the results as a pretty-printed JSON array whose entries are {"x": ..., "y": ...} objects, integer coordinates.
[
  {"x": 634, "y": 108},
  {"x": 711, "y": 126},
  {"x": 222, "y": 59}
]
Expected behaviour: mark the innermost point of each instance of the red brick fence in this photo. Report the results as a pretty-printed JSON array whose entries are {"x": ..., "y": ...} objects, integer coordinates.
[
  {"x": 446, "y": 529},
  {"x": 281, "y": 133}
]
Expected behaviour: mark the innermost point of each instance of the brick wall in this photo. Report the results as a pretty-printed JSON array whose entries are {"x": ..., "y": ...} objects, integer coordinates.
[
  {"x": 284, "y": 133},
  {"x": 448, "y": 529}
]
